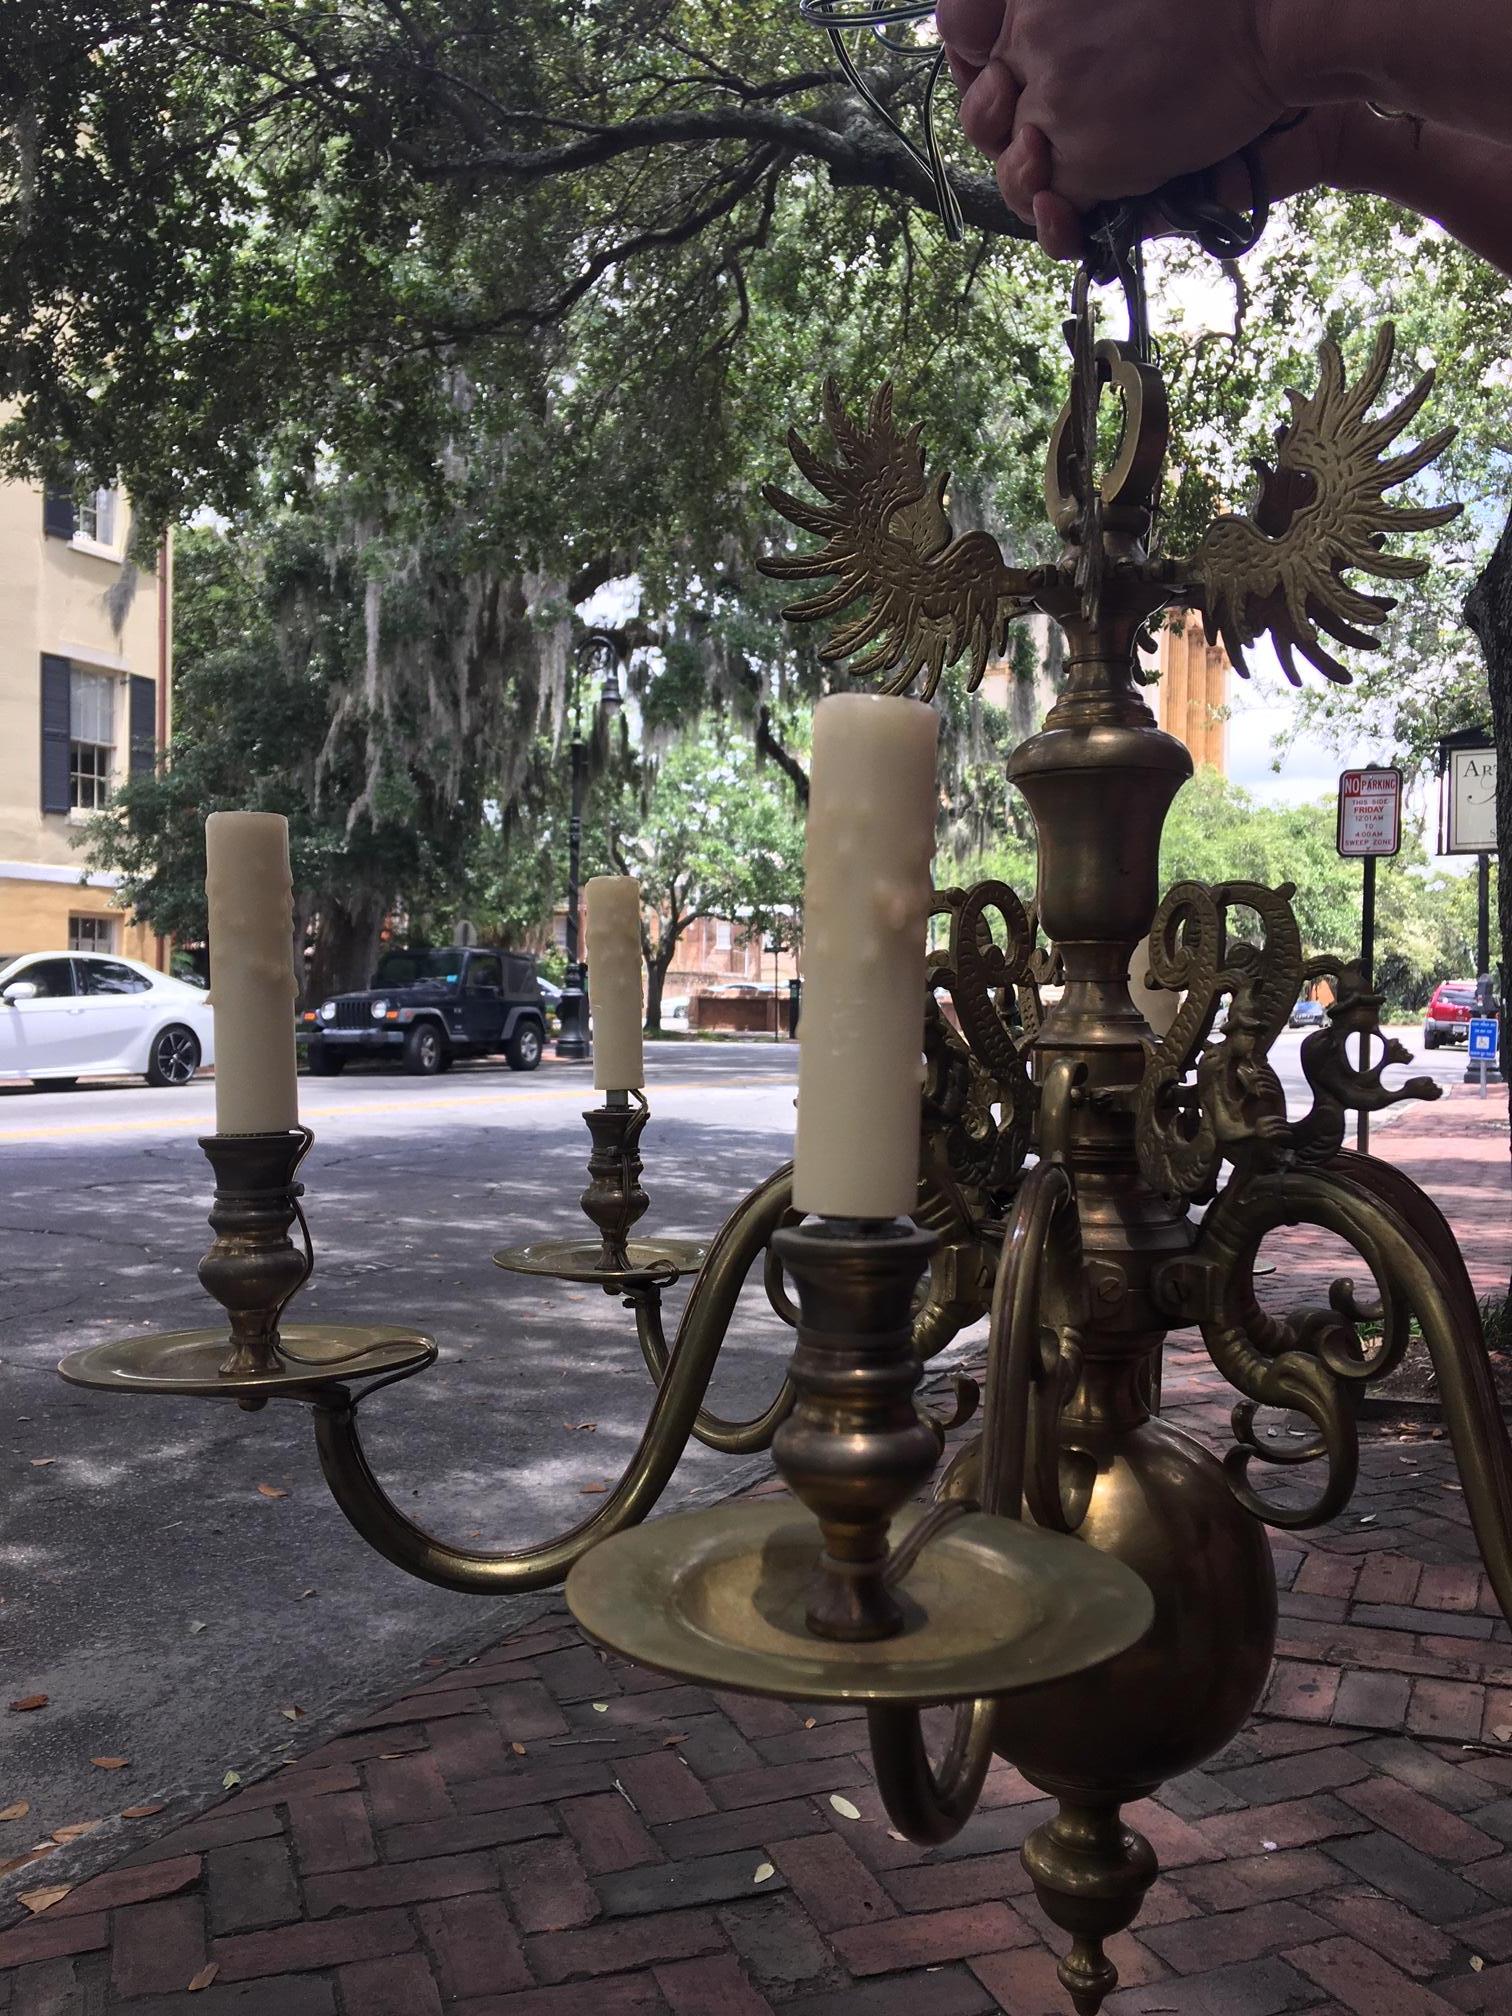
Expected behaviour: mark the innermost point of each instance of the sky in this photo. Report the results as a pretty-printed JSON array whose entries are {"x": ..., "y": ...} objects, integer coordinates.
[{"x": 1262, "y": 712}]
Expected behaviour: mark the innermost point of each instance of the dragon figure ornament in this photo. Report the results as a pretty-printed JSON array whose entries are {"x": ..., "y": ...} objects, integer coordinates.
[{"x": 1090, "y": 1592}]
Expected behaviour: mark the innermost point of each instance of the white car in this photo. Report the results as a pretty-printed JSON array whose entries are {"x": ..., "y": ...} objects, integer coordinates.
[{"x": 65, "y": 1015}]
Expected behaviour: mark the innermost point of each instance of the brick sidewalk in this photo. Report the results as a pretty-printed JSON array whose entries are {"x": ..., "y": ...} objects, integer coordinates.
[{"x": 548, "y": 1832}]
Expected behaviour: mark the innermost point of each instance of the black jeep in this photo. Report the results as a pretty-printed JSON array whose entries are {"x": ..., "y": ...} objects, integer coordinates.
[{"x": 428, "y": 1008}]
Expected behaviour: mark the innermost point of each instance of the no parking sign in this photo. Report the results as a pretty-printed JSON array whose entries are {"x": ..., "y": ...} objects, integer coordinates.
[{"x": 1370, "y": 813}]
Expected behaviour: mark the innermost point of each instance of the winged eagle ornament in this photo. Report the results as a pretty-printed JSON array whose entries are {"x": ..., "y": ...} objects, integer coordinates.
[
  {"x": 916, "y": 599},
  {"x": 1321, "y": 512},
  {"x": 930, "y": 598}
]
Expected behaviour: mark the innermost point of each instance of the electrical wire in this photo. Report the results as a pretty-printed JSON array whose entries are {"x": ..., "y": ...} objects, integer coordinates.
[{"x": 838, "y": 20}]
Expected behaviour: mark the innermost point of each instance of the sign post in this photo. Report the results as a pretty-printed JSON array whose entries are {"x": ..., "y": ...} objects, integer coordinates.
[{"x": 1370, "y": 825}]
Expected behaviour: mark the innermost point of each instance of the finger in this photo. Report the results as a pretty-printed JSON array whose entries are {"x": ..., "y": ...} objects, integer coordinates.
[
  {"x": 964, "y": 73},
  {"x": 1299, "y": 158},
  {"x": 988, "y": 108},
  {"x": 970, "y": 27},
  {"x": 1059, "y": 225},
  {"x": 1024, "y": 169}
]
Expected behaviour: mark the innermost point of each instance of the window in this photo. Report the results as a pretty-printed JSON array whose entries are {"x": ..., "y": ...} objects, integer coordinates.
[
  {"x": 412, "y": 969},
  {"x": 50, "y": 977},
  {"x": 95, "y": 517},
  {"x": 722, "y": 935},
  {"x": 91, "y": 739},
  {"x": 484, "y": 976},
  {"x": 109, "y": 976},
  {"x": 92, "y": 934}
]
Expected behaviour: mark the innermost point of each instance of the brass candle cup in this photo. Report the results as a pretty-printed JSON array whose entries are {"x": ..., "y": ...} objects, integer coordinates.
[
  {"x": 613, "y": 1203},
  {"x": 853, "y": 1595},
  {"x": 254, "y": 1269},
  {"x": 855, "y": 1447}
]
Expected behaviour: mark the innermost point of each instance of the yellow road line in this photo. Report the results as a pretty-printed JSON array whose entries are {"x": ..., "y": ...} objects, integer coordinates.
[{"x": 201, "y": 1122}]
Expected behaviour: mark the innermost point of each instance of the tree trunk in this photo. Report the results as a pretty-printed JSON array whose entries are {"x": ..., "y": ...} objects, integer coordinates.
[
  {"x": 346, "y": 945},
  {"x": 657, "y": 964},
  {"x": 1488, "y": 611}
]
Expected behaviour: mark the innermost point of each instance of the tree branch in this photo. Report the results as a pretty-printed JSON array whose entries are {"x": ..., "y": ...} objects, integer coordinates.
[
  {"x": 857, "y": 154},
  {"x": 688, "y": 227},
  {"x": 768, "y": 745}
]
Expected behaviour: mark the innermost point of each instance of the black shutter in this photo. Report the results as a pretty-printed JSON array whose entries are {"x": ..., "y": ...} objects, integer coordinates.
[
  {"x": 55, "y": 733},
  {"x": 143, "y": 724},
  {"x": 59, "y": 518}
]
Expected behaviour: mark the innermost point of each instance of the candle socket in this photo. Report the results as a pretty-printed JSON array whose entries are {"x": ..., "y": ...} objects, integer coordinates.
[
  {"x": 614, "y": 1199},
  {"x": 855, "y": 1447},
  {"x": 254, "y": 1269}
]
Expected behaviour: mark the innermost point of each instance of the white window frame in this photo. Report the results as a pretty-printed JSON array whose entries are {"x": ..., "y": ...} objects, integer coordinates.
[
  {"x": 102, "y": 778},
  {"x": 724, "y": 935},
  {"x": 101, "y": 512}
]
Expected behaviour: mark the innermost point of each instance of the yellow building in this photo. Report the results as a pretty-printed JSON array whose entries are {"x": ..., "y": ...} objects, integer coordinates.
[
  {"x": 84, "y": 701},
  {"x": 1193, "y": 691}
]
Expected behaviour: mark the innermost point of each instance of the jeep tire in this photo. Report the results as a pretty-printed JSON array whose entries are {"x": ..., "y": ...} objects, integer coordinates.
[
  {"x": 523, "y": 1050},
  {"x": 322, "y": 1062},
  {"x": 424, "y": 1050}
]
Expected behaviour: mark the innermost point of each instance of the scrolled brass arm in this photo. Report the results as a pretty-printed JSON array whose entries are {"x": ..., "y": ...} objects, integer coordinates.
[
  {"x": 1020, "y": 1455},
  {"x": 928, "y": 1803},
  {"x": 679, "y": 1398},
  {"x": 1408, "y": 1246},
  {"x": 730, "y": 1438}
]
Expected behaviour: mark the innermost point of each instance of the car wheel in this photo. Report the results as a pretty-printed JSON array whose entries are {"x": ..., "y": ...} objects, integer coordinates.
[
  {"x": 523, "y": 1049},
  {"x": 175, "y": 1056},
  {"x": 424, "y": 1051},
  {"x": 1430, "y": 1039},
  {"x": 322, "y": 1063}
]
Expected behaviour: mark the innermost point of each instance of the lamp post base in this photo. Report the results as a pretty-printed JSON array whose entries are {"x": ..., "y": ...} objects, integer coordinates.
[{"x": 572, "y": 1038}]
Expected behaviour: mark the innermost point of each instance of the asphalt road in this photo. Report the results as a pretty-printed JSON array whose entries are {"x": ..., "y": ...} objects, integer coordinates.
[{"x": 172, "y": 1612}]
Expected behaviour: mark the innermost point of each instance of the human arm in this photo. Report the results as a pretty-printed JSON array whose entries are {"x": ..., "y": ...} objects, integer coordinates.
[{"x": 1109, "y": 98}]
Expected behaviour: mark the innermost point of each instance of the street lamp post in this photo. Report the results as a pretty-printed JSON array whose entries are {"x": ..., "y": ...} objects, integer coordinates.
[{"x": 572, "y": 1035}]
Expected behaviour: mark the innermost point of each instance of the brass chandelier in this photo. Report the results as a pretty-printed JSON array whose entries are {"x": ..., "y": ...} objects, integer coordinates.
[{"x": 1090, "y": 1588}]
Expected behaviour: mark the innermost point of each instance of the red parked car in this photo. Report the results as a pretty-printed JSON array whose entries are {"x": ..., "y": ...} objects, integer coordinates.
[{"x": 1446, "y": 1019}]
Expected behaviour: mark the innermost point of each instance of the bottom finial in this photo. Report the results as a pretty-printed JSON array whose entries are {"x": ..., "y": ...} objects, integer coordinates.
[{"x": 1090, "y": 1874}]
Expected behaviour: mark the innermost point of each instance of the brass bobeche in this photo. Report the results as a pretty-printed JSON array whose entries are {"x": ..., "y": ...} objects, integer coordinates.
[{"x": 254, "y": 1270}]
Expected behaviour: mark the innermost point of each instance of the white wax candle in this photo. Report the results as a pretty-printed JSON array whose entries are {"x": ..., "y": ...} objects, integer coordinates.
[
  {"x": 872, "y": 803},
  {"x": 251, "y": 898},
  {"x": 614, "y": 982}
]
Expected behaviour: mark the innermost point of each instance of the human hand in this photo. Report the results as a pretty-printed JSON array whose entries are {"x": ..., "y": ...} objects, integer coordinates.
[{"x": 1083, "y": 101}]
